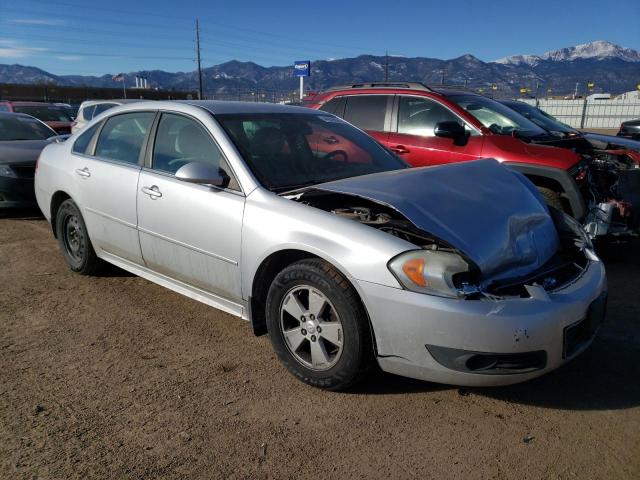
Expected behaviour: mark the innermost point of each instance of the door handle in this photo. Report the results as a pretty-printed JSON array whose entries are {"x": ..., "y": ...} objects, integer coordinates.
[
  {"x": 83, "y": 172},
  {"x": 153, "y": 191},
  {"x": 401, "y": 149}
]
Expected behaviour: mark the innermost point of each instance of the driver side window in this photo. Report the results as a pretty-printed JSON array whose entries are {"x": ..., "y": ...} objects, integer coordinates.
[
  {"x": 419, "y": 116},
  {"x": 181, "y": 140}
]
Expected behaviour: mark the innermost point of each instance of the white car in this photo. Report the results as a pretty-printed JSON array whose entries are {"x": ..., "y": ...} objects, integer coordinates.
[
  {"x": 92, "y": 108},
  {"x": 302, "y": 224}
]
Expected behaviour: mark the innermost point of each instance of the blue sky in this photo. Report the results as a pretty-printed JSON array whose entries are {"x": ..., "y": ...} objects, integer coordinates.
[{"x": 93, "y": 38}]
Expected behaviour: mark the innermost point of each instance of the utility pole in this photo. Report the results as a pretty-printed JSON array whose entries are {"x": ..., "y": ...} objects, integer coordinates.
[
  {"x": 442, "y": 77},
  {"x": 386, "y": 66},
  {"x": 199, "y": 63}
]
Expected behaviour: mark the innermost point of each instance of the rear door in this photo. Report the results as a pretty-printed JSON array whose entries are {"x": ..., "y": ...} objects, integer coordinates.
[
  {"x": 107, "y": 169},
  {"x": 413, "y": 138},
  {"x": 371, "y": 113}
]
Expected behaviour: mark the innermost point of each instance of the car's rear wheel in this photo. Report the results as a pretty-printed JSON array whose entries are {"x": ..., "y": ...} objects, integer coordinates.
[
  {"x": 318, "y": 327},
  {"x": 74, "y": 240}
]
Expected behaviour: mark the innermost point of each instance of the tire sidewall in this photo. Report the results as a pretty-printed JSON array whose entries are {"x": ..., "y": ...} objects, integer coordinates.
[
  {"x": 67, "y": 209},
  {"x": 350, "y": 363}
]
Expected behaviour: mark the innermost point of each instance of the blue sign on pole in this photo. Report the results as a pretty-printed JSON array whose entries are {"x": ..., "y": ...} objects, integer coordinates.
[{"x": 302, "y": 68}]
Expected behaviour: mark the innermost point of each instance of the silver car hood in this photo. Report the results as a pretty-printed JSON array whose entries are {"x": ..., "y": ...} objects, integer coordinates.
[{"x": 489, "y": 212}]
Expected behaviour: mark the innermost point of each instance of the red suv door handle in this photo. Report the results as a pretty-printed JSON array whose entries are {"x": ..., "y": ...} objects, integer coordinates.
[{"x": 400, "y": 149}]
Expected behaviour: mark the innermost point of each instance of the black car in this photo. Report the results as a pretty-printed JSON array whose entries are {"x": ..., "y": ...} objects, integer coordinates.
[
  {"x": 22, "y": 138},
  {"x": 630, "y": 129},
  {"x": 576, "y": 138}
]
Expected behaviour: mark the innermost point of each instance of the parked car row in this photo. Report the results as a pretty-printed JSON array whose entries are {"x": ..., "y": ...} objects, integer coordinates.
[
  {"x": 596, "y": 183},
  {"x": 22, "y": 138},
  {"x": 299, "y": 222},
  {"x": 58, "y": 116}
]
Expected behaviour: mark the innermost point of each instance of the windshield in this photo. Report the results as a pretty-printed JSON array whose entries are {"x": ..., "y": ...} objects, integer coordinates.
[
  {"x": 291, "y": 150},
  {"x": 498, "y": 118},
  {"x": 23, "y": 128},
  {"x": 541, "y": 118},
  {"x": 46, "y": 113}
]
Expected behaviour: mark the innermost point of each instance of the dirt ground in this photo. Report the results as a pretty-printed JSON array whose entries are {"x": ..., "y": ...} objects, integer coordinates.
[{"x": 114, "y": 377}]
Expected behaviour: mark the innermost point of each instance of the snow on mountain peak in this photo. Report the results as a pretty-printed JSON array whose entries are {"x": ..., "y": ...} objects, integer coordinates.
[{"x": 599, "y": 49}]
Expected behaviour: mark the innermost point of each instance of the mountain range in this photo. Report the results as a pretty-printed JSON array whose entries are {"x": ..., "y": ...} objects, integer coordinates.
[{"x": 613, "y": 68}]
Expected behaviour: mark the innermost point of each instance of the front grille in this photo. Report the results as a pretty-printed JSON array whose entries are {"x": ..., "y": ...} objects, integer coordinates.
[
  {"x": 554, "y": 275},
  {"x": 24, "y": 171},
  {"x": 578, "y": 335}
]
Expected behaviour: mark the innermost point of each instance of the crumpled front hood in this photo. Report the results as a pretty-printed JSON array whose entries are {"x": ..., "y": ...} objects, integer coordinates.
[{"x": 489, "y": 212}]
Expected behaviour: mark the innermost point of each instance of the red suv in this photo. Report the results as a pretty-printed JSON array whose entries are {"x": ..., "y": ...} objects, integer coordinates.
[
  {"x": 431, "y": 126},
  {"x": 56, "y": 116}
]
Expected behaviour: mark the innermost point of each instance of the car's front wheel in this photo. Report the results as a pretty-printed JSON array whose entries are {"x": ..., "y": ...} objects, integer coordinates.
[
  {"x": 74, "y": 240},
  {"x": 317, "y": 325}
]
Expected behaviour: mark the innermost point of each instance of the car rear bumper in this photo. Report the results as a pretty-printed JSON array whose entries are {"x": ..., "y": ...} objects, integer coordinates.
[
  {"x": 16, "y": 192},
  {"x": 484, "y": 342}
]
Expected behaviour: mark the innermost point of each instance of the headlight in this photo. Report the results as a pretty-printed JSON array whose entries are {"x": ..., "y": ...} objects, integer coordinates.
[
  {"x": 429, "y": 271},
  {"x": 5, "y": 171}
]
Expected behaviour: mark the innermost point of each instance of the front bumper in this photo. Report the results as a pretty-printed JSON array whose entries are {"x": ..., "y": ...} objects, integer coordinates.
[
  {"x": 16, "y": 192},
  {"x": 408, "y": 325}
]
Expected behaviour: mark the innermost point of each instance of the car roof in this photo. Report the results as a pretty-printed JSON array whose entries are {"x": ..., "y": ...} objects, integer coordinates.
[
  {"x": 14, "y": 115},
  {"x": 221, "y": 107},
  {"x": 120, "y": 101},
  {"x": 50, "y": 104}
]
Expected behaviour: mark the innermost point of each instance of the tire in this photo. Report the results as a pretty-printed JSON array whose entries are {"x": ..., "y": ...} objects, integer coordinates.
[
  {"x": 551, "y": 198},
  {"x": 74, "y": 241},
  {"x": 346, "y": 340}
]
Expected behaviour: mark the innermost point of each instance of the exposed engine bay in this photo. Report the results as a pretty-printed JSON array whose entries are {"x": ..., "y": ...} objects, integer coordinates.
[
  {"x": 564, "y": 267},
  {"x": 609, "y": 180}
]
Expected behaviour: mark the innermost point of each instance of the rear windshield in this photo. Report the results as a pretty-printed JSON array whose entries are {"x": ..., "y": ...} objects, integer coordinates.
[
  {"x": 23, "y": 128},
  {"x": 46, "y": 113},
  {"x": 286, "y": 151}
]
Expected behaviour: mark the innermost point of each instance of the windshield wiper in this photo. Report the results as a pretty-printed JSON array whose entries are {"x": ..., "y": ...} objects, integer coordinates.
[{"x": 281, "y": 190}]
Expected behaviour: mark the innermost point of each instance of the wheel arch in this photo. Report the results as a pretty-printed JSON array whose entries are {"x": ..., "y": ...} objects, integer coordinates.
[
  {"x": 56, "y": 200},
  {"x": 557, "y": 180},
  {"x": 266, "y": 272}
]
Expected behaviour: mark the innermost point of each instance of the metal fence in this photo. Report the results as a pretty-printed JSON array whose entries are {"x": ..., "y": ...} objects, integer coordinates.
[{"x": 591, "y": 113}]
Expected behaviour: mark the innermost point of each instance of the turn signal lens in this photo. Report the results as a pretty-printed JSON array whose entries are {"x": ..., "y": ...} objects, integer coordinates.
[{"x": 414, "y": 270}]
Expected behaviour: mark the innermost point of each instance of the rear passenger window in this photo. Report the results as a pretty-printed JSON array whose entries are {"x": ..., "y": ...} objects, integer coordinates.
[
  {"x": 102, "y": 107},
  {"x": 122, "y": 137},
  {"x": 82, "y": 143},
  {"x": 335, "y": 106},
  {"x": 87, "y": 113},
  {"x": 366, "y": 112}
]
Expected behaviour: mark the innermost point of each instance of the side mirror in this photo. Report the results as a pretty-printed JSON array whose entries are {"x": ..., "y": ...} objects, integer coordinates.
[
  {"x": 202, "y": 173},
  {"x": 452, "y": 130}
]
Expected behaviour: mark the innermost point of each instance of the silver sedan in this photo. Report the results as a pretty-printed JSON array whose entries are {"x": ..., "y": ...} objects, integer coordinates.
[{"x": 303, "y": 225}]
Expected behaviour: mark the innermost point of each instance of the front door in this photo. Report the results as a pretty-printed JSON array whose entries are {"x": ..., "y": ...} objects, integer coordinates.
[
  {"x": 415, "y": 140},
  {"x": 190, "y": 232}
]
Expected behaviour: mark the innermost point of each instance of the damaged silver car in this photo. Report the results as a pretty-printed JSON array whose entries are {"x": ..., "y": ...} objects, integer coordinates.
[{"x": 302, "y": 224}]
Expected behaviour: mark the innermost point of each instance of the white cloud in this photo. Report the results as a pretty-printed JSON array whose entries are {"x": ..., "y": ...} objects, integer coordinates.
[
  {"x": 13, "y": 49},
  {"x": 70, "y": 58},
  {"x": 38, "y": 21}
]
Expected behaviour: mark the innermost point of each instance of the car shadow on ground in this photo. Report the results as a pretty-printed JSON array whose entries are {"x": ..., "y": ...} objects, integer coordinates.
[{"x": 27, "y": 213}]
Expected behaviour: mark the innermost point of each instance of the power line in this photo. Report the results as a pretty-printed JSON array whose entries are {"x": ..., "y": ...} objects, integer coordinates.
[
  {"x": 136, "y": 24},
  {"x": 172, "y": 16},
  {"x": 199, "y": 64}
]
